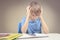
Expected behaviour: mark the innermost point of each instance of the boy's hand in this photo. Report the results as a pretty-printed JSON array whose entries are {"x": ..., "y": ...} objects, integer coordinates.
[{"x": 28, "y": 13}]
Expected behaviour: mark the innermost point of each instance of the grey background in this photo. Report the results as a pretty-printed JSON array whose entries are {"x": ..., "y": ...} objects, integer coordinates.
[{"x": 12, "y": 11}]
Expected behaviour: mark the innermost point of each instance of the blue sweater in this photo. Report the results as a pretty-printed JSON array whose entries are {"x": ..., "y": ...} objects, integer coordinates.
[{"x": 33, "y": 26}]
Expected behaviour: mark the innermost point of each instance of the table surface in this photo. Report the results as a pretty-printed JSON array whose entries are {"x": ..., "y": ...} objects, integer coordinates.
[{"x": 50, "y": 36}]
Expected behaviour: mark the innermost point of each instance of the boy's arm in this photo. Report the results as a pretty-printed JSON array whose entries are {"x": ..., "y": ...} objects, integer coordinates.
[
  {"x": 25, "y": 26},
  {"x": 44, "y": 25}
]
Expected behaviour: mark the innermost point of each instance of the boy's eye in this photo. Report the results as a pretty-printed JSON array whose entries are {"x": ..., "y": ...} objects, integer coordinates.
[
  {"x": 38, "y": 10},
  {"x": 35, "y": 12}
]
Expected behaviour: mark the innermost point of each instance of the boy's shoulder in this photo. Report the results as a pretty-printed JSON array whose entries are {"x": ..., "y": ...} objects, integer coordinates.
[{"x": 23, "y": 18}]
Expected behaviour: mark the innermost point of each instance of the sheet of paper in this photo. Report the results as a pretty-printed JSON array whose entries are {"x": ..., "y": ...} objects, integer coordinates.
[{"x": 38, "y": 34}]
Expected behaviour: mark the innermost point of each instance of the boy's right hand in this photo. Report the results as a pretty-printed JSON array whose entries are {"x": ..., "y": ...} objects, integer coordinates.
[{"x": 28, "y": 13}]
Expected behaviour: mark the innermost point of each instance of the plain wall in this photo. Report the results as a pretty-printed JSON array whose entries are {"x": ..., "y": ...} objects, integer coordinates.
[{"x": 12, "y": 11}]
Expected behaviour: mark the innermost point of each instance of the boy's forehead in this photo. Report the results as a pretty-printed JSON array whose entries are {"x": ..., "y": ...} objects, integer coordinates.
[{"x": 35, "y": 7}]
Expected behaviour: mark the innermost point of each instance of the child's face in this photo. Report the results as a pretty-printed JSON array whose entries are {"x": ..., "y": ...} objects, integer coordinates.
[{"x": 35, "y": 12}]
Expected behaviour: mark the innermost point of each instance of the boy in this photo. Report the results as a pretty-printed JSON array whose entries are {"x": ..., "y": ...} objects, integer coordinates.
[{"x": 33, "y": 22}]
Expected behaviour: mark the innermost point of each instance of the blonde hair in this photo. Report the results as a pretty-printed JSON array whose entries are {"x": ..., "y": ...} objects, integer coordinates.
[{"x": 35, "y": 7}]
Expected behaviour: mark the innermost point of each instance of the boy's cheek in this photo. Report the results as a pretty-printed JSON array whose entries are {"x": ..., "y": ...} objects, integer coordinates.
[{"x": 38, "y": 14}]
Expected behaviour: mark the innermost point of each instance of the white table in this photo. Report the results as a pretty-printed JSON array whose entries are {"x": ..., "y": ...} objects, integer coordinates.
[{"x": 50, "y": 36}]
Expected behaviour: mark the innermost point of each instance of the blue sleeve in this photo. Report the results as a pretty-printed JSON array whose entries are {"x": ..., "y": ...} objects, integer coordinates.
[
  {"x": 23, "y": 21},
  {"x": 20, "y": 25}
]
